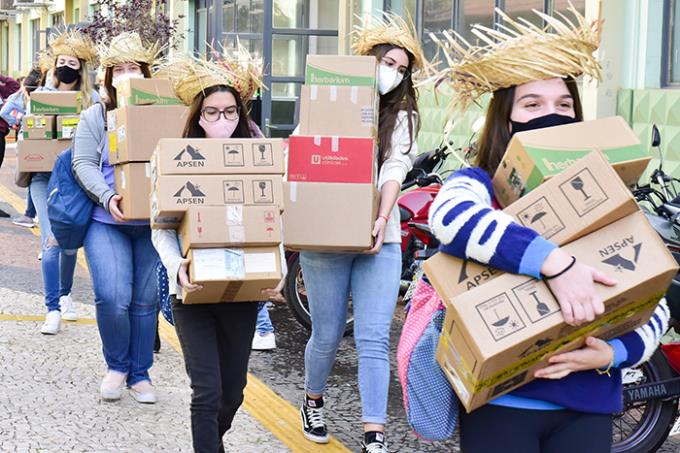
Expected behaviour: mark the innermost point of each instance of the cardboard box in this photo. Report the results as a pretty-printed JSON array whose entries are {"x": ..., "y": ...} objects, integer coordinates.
[
  {"x": 354, "y": 111},
  {"x": 172, "y": 195},
  {"x": 584, "y": 198},
  {"x": 56, "y": 102},
  {"x": 138, "y": 129},
  {"x": 535, "y": 156},
  {"x": 232, "y": 225},
  {"x": 332, "y": 159},
  {"x": 330, "y": 216},
  {"x": 500, "y": 333},
  {"x": 66, "y": 126},
  {"x": 38, "y": 155},
  {"x": 133, "y": 182},
  {"x": 146, "y": 92},
  {"x": 341, "y": 70},
  {"x": 194, "y": 156},
  {"x": 37, "y": 127},
  {"x": 233, "y": 275}
]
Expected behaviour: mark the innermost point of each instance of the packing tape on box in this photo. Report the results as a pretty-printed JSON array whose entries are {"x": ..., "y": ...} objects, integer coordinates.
[
  {"x": 123, "y": 182},
  {"x": 313, "y": 92},
  {"x": 507, "y": 373},
  {"x": 354, "y": 95},
  {"x": 293, "y": 191},
  {"x": 237, "y": 234},
  {"x": 335, "y": 143},
  {"x": 147, "y": 169},
  {"x": 317, "y": 140},
  {"x": 333, "y": 93},
  {"x": 234, "y": 215}
]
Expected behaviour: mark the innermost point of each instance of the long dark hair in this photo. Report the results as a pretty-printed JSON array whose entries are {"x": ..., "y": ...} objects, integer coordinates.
[
  {"x": 403, "y": 97},
  {"x": 194, "y": 130},
  {"x": 496, "y": 133},
  {"x": 111, "y": 100}
]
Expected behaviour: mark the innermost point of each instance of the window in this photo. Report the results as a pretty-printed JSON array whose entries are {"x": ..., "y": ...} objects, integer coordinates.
[
  {"x": 35, "y": 37},
  {"x": 562, "y": 6},
  {"x": 523, "y": 8},
  {"x": 4, "y": 65},
  {"x": 671, "y": 63},
  {"x": 58, "y": 20},
  {"x": 17, "y": 47},
  {"x": 76, "y": 15}
]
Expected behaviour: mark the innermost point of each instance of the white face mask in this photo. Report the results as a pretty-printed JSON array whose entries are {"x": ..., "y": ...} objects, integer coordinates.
[
  {"x": 117, "y": 80},
  {"x": 388, "y": 79}
]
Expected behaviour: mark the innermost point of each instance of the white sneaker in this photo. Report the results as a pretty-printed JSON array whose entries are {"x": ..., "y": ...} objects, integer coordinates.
[
  {"x": 52, "y": 323},
  {"x": 68, "y": 308},
  {"x": 112, "y": 386},
  {"x": 264, "y": 342},
  {"x": 143, "y": 392}
]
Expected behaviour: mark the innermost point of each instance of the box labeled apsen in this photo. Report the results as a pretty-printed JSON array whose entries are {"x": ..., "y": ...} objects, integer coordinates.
[
  {"x": 37, "y": 127},
  {"x": 233, "y": 274},
  {"x": 353, "y": 109},
  {"x": 132, "y": 181},
  {"x": 534, "y": 156},
  {"x": 231, "y": 225},
  {"x": 172, "y": 195},
  {"x": 56, "y": 102},
  {"x": 138, "y": 129},
  {"x": 332, "y": 159},
  {"x": 341, "y": 70},
  {"x": 578, "y": 201},
  {"x": 192, "y": 156},
  {"x": 330, "y": 216},
  {"x": 500, "y": 333},
  {"x": 38, "y": 155},
  {"x": 66, "y": 126},
  {"x": 146, "y": 92}
]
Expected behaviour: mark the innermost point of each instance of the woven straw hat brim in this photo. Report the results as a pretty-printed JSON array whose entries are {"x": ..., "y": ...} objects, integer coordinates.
[
  {"x": 129, "y": 48},
  {"x": 235, "y": 68},
  {"x": 519, "y": 52},
  {"x": 389, "y": 29},
  {"x": 72, "y": 43}
]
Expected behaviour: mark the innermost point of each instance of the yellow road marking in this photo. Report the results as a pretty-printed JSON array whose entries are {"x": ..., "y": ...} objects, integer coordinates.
[
  {"x": 274, "y": 413},
  {"x": 36, "y": 318},
  {"x": 20, "y": 206}
]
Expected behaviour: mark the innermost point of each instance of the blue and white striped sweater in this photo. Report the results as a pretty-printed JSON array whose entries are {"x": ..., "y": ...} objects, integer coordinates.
[{"x": 465, "y": 221}]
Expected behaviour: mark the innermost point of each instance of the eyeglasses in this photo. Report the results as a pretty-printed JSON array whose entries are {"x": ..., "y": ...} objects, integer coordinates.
[
  {"x": 387, "y": 61},
  {"x": 212, "y": 114}
]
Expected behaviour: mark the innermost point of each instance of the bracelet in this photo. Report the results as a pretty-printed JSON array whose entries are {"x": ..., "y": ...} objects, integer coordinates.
[
  {"x": 606, "y": 371},
  {"x": 562, "y": 272},
  {"x": 387, "y": 219}
]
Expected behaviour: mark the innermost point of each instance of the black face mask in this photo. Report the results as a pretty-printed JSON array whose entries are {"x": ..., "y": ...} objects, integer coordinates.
[
  {"x": 541, "y": 122},
  {"x": 67, "y": 74}
]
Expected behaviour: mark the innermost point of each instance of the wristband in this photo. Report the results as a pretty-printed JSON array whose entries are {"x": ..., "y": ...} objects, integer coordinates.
[
  {"x": 562, "y": 272},
  {"x": 387, "y": 219},
  {"x": 606, "y": 371}
]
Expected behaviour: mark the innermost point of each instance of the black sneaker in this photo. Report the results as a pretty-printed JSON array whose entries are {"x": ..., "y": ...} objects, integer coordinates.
[
  {"x": 313, "y": 423},
  {"x": 374, "y": 442}
]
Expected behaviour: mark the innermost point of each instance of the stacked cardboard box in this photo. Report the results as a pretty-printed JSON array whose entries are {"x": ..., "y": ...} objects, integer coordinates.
[
  {"x": 53, "y": 118},
  {"x": 500, "y": 328},
  {"x": 332, "y": 165},
  {"x": 147, "y": 111},
  {"x": 225, "y": 199}
]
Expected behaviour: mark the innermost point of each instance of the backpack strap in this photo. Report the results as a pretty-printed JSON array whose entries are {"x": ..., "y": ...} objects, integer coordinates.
[{"x": 102, "y": 143}]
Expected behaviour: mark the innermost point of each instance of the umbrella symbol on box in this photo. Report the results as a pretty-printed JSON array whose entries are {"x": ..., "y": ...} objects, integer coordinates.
[
  {"x": 539, "y": 218},
  {"x": 577, "y": 184},
  {"x": 500, "y": 321},
  {"x": 232, "y": 155}
]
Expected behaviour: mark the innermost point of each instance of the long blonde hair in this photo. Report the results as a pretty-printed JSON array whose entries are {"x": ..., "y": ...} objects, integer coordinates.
[{"x": 84, "y": 85}]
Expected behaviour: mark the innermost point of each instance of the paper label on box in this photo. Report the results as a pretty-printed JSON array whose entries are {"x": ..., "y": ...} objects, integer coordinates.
[
  {"x": 458, "y": 385},
  {"x": 333, "y": 93},
  {"x": 123, "y": 184},
  {"x": 121, "y": 133},
  {"x": 500, "y": 316},
  {"x": 354, "y": 94},
  {"x": 218, "y": 264},
  {"x": 260, "y": 263},
  {"x": 147, "y": 170},
  {"x": 367, "y": 115},
  {"x": 541, "y": 217},
  {"x": 67, "y": 131},
  {"x": 234, "y": 215},
  {"x": 237, "y": 233},
  {"x": 583, "y": 192},
  {"x": 111, "y": 120},
  {"x": 263, "y": 155}
]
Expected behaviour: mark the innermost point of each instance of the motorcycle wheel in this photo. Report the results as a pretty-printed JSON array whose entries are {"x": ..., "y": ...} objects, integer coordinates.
[
  {"x": 643, "y": 427},
  {"x": 296, "y": 297}
]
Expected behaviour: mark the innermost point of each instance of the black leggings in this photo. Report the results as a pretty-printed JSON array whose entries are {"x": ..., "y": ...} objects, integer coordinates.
[{"x": 504, "y": 429}]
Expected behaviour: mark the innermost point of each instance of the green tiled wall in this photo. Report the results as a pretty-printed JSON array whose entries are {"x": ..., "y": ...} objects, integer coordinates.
[{"x": 642, "y": 109}]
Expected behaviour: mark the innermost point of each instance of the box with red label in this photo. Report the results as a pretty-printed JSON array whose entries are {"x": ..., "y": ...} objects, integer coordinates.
[
  {"x": 332, "y": 159},
  {"x": 38, "y": 155}
]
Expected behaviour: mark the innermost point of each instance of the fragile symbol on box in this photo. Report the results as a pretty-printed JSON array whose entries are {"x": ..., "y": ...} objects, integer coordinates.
[
  {"x": 262, "y": 191},
  {"x": 538, "y": 302},
  {"x": 583, "y": 192},
  {"x": 500, "y": 316},
  {"x": 233, "y": 155},
  {"x": 233, "y": 191},
  {"x": 541, "y": 217},
  {"x": 263, "y": 155},
  {"x": 189, "y": 193}
]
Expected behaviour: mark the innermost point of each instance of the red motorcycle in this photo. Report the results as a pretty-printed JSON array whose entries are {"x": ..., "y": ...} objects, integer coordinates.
[{"x": 416, "y": 240}]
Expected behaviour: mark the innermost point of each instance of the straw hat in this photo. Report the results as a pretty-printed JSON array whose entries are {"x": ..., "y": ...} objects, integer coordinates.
[
  {"x": 72, "y": 43},
  {"x": 389, "y": 29},
  {"x": 519, "y": 52},
  {"x": 232, "y": 67},
  {"x": 128, "y": 47}
]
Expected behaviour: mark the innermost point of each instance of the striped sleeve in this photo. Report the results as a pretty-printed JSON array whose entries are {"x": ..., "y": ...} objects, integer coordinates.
[
  {"x": 643, "y": 341},
  {"x": 466, "y": 224}
]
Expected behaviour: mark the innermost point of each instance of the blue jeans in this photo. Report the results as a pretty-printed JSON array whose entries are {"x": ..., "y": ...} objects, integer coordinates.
[
  {"x": 58, "y": 266},
  {"x": 30, "y": 207},
  {"x": 264, "y": 323},
  {"x": 374, "y": 283},
  {"x": 122, "y": 263}
]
